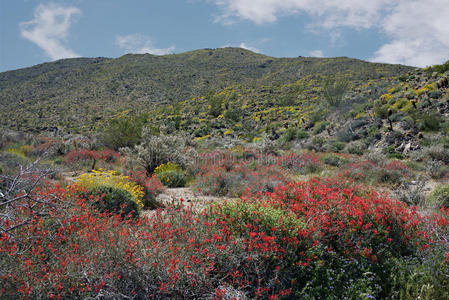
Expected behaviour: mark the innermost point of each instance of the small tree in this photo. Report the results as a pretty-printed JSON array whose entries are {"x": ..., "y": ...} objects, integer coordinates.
[
  {"x": 123, "y": 132},
  {"x": 216, "y": 104}
]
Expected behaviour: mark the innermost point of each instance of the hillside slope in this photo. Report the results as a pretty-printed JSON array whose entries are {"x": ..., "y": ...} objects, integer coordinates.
[{"x": 77, "y": 94}]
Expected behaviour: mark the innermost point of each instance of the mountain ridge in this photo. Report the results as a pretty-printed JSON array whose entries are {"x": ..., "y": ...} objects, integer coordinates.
[{"x": 74, "y": 93}]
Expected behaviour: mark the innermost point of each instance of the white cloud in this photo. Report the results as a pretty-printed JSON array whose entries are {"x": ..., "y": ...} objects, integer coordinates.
[
  {"x": 245, "y": 46},
  {"x": 49, "y": 29},
  {"x": 140, "y": 44},
  {"x": 419, "y": 32},
  {"x": 418, "y": 29},
  {"x": 331, "y": 13},
  {"x": 316, "y": 53}
]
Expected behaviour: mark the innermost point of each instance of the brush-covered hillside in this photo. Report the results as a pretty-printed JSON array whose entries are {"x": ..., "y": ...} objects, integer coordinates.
[
  {"x": 76, "y": 95},
  {"x": 224, "y": 174}
]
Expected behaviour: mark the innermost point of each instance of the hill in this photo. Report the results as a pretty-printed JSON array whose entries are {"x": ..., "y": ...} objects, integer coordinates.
[{"x": 80, "y": 94}]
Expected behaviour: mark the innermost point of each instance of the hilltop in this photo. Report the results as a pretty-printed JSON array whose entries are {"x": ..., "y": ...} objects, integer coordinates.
[{"x": 80, "y": 94}]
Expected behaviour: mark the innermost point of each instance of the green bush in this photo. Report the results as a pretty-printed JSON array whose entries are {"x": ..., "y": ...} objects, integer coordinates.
[
  {"x": 357, "y": 148},
  {"x": 439, "y": 68},
  {"x": 336, "y": 146},
  {"x": 114, "y": 200},
  {"x": 294, "y": 133},
  {"x": 440, "y": 195},
  {"x": 320, "y": 127},
  {"x": 266, "y": 216},
  {"x": 173, "y": 178},
  {"x": 123, "y": 132},
  {"x": 333, "y": 160},
  {"x": 430, "y": 121}
]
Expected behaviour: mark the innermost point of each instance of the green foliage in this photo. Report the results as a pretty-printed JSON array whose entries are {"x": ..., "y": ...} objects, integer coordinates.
[
  {"x": 233, "y": 114},
  {"x": 215, "y": 103},
  {"x": 154, "y": 151},
  {"x": 422, "y": 278},
  {"x": 320, "y": 127},
  {"x": 173, "y": 178},
  {"x": 430, "y": 121},
  {"x": 357, "y": 148},
  {"x": 294, "y": 133},
  {"x": 123, "y": 132},
  {"x": 333, "y": 160},
  {"x": 113, "y": 199},
  {"x": 440, "y": 195},
  {"x": 264, "y": 216},
  {"x": 439, "y": 68},
  {"x": 392, "y": 153}
]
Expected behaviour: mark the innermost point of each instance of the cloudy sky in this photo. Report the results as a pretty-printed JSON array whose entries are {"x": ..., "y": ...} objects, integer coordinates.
[{"x": 411, "y": 32}]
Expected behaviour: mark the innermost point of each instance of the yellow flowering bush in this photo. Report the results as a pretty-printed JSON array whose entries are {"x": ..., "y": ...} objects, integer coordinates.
[
  {"x": 111, "y": 178},
  {"x": 171, "y": 175},
  {"x": 167, "y": 167}
]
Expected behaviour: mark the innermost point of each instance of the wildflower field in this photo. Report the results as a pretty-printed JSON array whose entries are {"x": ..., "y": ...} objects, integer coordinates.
[{"x": 330, "y": 236}]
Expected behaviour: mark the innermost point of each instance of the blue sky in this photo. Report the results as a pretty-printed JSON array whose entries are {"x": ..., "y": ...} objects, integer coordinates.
[{"x": 412, "y": 32}]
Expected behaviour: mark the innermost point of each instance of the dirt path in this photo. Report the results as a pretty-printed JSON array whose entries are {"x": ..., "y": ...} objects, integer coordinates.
[{"x": 174, "y": 196}]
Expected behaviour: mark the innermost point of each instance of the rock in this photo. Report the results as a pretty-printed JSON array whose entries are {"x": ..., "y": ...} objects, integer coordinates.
[{"x": 407, "y": 149}]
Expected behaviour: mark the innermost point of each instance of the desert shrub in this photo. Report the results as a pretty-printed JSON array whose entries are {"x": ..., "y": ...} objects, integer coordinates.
[
  {"x": 392, "y": 172},
  {"x": 234, "y": 114},
  {"x": 171, "y": 175},
  {"x": 335, "y": 146},
  {"x": 156, "y": 150},
  {"x": 215, "y": 104},
  {"x": 99, "y": 178},
  {"x": 10, "y": 161},
  {"x": 152, "y": 187},
  {"x": 356, "y": 148},
  {"x": 380, "y": 110},
  {"x": 265, "y": 145},
  {"x": 346, "y": 135},
  {"x": 411, "y": 193},
  {"x": 224, "y": 174},
  {"x": 440, "y": 195},
  {"x": 391, "y": 152},
  {"x": 320, "y": 127},
  {"x": 439, "y": 68},
  {"x": 320, "y": 239},
  {"x": 422, "y": 278},
  {"x": 79, "y": 158},
  {"x": 173, "y": 178},
  {"x": 436, "y": 169},
  {"x": 113, "y": 199},
  {"x": 123, "y": 132},
  {"x": 348, "y": 235},
  {"x": 304, "y": 163},
  {"x": 333, "y": 159},
  {"x": 430, "y": 121},
  {"x": 27, "y": 150},
  {"x": 334, "y": 91},
  {"x": 318, "y": 141},
  {"x": 294, "y": 133},
  {"x": 437, "y": 152}
]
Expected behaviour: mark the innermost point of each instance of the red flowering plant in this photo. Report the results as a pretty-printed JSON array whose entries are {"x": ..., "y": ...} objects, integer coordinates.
[
  {"x": 221, "y": 173},
  {"x": 325, "y": 235},
  {"x": 325, "y": 238},
  {"x": 79, "y": 157}
]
